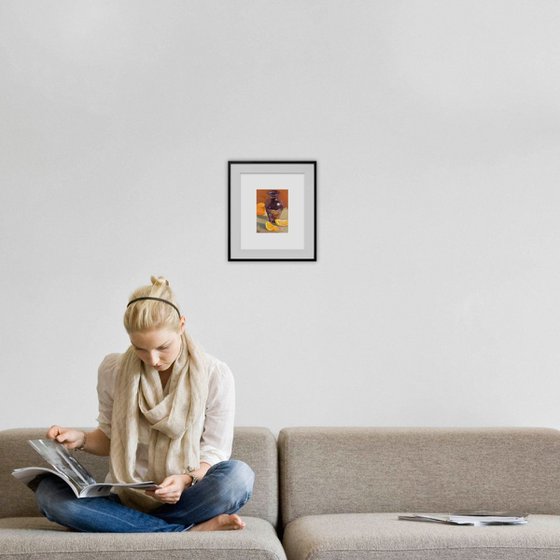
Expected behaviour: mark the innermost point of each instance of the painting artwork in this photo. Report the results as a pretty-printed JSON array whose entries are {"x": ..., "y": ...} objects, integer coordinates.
[{"x": 272, "y": 211}]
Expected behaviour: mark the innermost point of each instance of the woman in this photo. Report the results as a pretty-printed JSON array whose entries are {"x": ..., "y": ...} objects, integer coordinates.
[{"x": 166, "y": 414}]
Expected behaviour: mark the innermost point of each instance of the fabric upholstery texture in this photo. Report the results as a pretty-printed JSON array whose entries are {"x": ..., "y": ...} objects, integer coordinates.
[
  {"x": 382, "y": 536},
  {"x": 376, "y": 470},
  {"x": 35, "y": 538}
]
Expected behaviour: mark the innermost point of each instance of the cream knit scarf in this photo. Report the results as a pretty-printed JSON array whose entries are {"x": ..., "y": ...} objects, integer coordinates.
[{"x": 174, "y": 419}]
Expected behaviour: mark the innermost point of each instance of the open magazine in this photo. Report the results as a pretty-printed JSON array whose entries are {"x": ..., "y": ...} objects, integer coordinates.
[
  {"x": 68, "y": 468},
  {"x": 477, "y": 518}
]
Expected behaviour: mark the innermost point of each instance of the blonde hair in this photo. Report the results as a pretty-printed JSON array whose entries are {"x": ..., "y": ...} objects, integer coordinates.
[{"x": 148, "y": 314}]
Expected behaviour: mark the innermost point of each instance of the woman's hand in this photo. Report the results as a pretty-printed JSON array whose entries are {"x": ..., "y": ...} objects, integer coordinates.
[
  {"x": 171, "y": 488},
  {"x": 70, "y": 438}
]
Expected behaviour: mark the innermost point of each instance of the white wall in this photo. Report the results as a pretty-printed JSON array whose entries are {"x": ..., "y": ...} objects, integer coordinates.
[{"x": 436, "y": 127}]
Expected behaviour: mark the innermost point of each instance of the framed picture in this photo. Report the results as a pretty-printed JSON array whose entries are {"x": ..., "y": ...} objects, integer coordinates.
[{"x": 272, "y": 211}]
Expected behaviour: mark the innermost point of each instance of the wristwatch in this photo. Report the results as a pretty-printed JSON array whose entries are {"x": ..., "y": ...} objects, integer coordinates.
[{"x": 195, "y": 479}]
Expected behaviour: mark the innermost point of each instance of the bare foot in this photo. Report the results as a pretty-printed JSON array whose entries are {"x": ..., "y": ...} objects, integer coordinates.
[{"x": 222, "y": 522}]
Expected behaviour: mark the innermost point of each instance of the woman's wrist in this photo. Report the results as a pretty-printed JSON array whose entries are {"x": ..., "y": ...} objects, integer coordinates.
[
  {"x": 185, "y": 480},
  {"x": 82, "y": 447},
  {"x": 190, "y": 479}
]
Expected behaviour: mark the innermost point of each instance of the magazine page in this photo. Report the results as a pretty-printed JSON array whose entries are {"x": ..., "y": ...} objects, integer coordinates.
[
  {"x": 63, "y": 462},
  {"x": 28, "y": 474},
  {"x": 428, "y": 518},
  {"x": 488, "y": 518},
  {"x": 69, "y": 469},
  {"x": 476, "y": 519},
  {"x": 104, "y": 488}
]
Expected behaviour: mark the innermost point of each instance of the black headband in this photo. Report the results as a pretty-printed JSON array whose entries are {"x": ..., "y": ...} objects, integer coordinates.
[{"x": 155, "y": 299}]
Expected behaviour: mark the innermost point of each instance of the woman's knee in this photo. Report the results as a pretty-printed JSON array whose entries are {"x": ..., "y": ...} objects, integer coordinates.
[
  {"x": 46, "y": 489},
  {"x": 54, "y": 498},
  {"x": 236, "y": 470},
  {"x": 239, "y": 479},
  {"x": 243, "y": 475}
]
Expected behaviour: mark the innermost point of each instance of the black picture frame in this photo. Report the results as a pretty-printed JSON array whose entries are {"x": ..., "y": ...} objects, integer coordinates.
[{"x": 282, "y": 226}]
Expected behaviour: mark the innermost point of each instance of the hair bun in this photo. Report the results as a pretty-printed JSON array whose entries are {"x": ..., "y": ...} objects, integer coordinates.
[{"x": 159, "y": 281}]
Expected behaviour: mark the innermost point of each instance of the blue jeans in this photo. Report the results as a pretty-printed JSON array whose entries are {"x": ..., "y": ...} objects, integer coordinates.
[{"x": 226, "y": 487}]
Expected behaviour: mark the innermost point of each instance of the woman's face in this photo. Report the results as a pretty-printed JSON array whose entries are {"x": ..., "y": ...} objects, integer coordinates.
[{"x": 158, "y": 348}]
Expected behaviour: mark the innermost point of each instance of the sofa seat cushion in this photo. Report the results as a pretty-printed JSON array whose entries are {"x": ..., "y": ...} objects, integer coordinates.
[
  {"x": 382, "y": 536},
  {"x": 35, "y": 538}
]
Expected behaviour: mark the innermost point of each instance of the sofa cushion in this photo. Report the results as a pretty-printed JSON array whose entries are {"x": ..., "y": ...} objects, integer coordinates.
[
  {"x": 361, "y": 470},
  {"x": 38, "y": 539},
  {"x": 382, "y": 536}
]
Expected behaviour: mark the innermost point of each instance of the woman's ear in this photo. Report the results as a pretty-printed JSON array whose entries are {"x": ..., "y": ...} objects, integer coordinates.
[{"x": 182, "y": 322}]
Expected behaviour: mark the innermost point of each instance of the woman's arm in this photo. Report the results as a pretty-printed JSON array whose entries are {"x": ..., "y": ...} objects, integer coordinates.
[
  {"x": 217, "y": 436},
  {"x": 95, "y": 442}
]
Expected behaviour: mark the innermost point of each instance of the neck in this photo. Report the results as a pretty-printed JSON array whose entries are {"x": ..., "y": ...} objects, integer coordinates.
[{"x": 165, "y": 375}]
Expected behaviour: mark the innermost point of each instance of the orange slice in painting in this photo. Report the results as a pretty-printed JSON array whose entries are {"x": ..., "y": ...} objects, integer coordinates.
[
  {"x": 271, "y": 227},
  {"x": 282, "y": 223}
]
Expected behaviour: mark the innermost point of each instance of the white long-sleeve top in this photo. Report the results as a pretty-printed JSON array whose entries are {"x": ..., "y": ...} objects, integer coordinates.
[{"x": 217, "y": 434}]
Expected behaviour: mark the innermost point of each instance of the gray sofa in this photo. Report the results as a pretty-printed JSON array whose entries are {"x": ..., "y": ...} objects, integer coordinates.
[
  {"x": 342, "y": 489},
  {"x": 25, "y": 535}
]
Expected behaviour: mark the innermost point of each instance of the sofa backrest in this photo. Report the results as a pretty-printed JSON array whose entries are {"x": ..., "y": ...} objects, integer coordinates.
[
  {"x": 360, "y": 470},
  {"x": 256, "y": 446}
]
